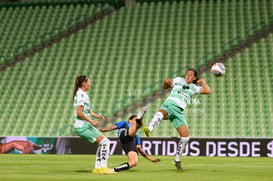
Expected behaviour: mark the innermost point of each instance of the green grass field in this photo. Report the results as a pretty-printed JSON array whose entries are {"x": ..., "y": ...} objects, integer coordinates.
[{"x": 78, "y": 167}]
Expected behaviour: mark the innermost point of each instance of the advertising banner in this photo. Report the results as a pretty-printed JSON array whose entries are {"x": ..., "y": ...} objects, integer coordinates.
[{"x": 222, "y": 147}]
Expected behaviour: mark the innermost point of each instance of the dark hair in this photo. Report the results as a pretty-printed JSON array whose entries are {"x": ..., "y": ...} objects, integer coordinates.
[
  {"x": 132, "y": 117},
  {"x": 139, "y": 121},
  {"x": 78, "y": 83},
  {"x": 195, "y": 75}
]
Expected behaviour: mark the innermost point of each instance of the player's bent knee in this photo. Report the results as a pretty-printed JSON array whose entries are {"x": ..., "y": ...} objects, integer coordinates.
[
  {"x": 132, "y": 163},
  {"x": 132, "y": 159}
]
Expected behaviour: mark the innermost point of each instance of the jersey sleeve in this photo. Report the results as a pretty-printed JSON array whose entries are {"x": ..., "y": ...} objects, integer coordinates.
[
  {"x": 175, "y": 80},
  {"x": 81, "y": 99},
  {"x": 197, "y": 89},
  {"x": 122, "y": 124},
  {"x": 138, "y": 142}
]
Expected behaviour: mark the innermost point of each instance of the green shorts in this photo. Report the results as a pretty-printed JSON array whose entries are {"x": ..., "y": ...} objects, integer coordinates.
[
  {"x": 175, "y": 113},
  {"x": 89, "y": 132}
]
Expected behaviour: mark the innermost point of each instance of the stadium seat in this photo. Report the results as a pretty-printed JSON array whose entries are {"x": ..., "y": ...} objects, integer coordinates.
[{"x": 128, "y": 53}]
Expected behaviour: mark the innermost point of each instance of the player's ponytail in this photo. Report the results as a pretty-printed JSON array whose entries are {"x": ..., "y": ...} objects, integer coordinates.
[{"x": 78, "y": 83}]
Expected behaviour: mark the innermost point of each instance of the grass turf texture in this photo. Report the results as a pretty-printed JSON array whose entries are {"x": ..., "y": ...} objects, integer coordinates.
[{"x": 78, "y": 167}]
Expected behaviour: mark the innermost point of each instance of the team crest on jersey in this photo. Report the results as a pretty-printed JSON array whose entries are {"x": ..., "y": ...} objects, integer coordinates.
[{"x": 185, "y": 87}]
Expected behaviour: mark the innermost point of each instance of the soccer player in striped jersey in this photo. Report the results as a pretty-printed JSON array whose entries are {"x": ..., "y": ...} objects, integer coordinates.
[
  {"x": 85, "y": 126},
  {"x": 183, "y": 89},
  {"x": 130, "y": 141}
]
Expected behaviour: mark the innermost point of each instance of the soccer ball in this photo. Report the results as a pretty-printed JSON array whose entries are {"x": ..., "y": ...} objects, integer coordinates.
[{"x": 218, "y": 69}]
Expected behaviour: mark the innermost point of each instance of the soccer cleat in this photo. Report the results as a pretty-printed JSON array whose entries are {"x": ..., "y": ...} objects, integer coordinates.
[
  {"x": 96, "y": 171},
  {"x": 107, "y": 171},
  {"x": 147, "y": 131},
  {"x": 178, "y": 165},
  {"x": 142, "y": 112}
]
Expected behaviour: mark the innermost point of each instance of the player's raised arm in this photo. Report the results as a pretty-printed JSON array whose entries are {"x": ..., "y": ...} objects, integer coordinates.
[
  {"x": 205, "y": 88},
  {"x": 167, "y": 83}
]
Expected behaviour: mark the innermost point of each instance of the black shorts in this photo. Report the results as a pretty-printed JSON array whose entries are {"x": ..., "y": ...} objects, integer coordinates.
[{"x": 128, "y": 143}]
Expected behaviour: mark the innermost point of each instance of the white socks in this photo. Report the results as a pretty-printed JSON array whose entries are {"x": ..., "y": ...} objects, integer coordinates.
[
  {"x": 102, "y": 153},
  {"x": 156, "y": 120},
  {"x": 124, "y": 166},
  {"x": 180, "y": 147},
  {"x": 98, "y": 165}
]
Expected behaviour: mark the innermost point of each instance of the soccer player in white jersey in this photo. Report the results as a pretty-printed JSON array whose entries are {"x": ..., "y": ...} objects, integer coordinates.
[
  {"x": 183, "y": 89},
  {"x": 85, "y": 127}
]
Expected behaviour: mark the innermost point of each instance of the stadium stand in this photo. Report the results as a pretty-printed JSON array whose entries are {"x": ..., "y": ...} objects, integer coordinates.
[{"x": 127, "y": 55}]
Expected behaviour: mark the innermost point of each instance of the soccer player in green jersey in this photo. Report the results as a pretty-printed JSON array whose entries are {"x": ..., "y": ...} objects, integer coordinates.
[
  {"x": 183, "y": 89},
  {"x": 85, "y": 127}
]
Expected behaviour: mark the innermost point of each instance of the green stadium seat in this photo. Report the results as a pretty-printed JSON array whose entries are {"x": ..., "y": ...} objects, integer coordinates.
[{"x": 125, "y": 52}]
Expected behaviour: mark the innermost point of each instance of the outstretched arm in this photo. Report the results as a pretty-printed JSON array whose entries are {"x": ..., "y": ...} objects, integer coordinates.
[
  {"x": 145, "y": 155},
  {"x": 205, "y": 88},
  {"x": 108, "y": 128}
]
